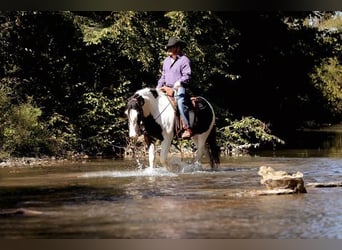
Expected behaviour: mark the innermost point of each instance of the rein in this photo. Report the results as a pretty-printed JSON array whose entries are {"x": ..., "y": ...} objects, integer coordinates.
[
  {"x": 135, "y": 102},
  {"x": 162, "y": 111}
]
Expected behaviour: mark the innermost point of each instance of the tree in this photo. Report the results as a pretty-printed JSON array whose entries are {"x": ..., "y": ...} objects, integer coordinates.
[
  {"x": 77, "y": 69},
  {"x": 327, "y": 79}
]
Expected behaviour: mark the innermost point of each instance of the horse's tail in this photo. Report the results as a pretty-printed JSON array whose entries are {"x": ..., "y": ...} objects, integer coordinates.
[{"x": 213, "y": 149}]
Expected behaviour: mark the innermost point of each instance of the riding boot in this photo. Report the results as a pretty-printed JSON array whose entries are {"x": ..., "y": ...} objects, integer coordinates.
[
  {"x": 187, "y": 134},
  {"x": 183, "y": 111}
]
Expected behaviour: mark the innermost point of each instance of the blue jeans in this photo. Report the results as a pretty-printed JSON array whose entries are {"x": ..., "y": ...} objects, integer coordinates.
[{"x": 183, "y": 105}]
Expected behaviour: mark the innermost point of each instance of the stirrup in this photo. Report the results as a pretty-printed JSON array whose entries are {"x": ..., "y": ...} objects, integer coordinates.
[{"x": 187, "y": 134}]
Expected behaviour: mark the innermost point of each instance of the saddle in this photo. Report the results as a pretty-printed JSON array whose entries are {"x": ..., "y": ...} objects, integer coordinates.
[{"x": 195, "y": 106}]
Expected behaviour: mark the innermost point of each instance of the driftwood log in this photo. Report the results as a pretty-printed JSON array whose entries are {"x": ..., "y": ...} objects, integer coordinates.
[
  {"x": 19, "y": 212},
  {"x": 324, "y": 184}
]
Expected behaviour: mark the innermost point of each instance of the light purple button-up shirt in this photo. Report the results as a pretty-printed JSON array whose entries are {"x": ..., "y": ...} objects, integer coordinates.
[{"x": 175, "y": 70}]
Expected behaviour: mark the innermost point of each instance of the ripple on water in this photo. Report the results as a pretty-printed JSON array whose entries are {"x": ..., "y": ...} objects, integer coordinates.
[{"x": 188, "y": 203}]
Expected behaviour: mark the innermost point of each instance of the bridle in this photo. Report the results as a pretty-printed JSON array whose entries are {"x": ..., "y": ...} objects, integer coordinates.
[{"x": 137, "y": 102}]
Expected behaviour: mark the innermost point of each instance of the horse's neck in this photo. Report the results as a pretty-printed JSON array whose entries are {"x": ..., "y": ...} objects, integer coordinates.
[{"x": 157, "y": 107}]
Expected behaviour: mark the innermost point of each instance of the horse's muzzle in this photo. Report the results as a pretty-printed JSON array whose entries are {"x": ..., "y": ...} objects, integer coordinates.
[{"x": 135, "y": 132}]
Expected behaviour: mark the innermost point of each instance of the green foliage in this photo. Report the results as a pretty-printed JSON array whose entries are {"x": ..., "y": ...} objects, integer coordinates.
[
  {"x": 333, "y": 22},
  {"x": 327, "y": 79},
  {"x": 23, "y": 133},
  {"x": 103, "y": 123},
  {"x": 63, "y": 138},
  {"x": 247, "y": 133},
  {"x": 5, "y": 111},
  {"x": 20, "y": 129},
  {"x": 4, "y": 100},
  {"x": 135, "y": 35},
  {"x": 211, "y": 55},
  {"x": 67, "y": 75}
]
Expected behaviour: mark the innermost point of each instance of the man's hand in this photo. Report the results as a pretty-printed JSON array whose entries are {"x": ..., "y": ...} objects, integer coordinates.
[{"x": 177, "y": 85}]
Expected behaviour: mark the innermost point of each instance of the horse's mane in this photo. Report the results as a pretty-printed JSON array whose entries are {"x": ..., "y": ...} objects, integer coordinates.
[{"x": 149, "y": 93}]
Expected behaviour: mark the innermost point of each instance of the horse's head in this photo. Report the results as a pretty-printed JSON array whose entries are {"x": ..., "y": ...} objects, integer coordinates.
[
  {"x": 143, "y": 111},
  {"x": 134, "y": 114}
]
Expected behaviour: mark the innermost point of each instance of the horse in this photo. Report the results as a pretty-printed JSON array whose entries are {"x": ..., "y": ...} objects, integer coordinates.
[{"x": 150, "y": 112}]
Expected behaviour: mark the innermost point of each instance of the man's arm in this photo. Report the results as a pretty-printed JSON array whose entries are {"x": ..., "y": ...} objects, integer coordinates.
[
  {"x": 186, "y": 71},
  {"x": 161, "y": 80}
]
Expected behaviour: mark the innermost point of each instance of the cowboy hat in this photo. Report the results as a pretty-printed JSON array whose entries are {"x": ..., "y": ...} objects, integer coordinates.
[{"x": 174, "y": 41}]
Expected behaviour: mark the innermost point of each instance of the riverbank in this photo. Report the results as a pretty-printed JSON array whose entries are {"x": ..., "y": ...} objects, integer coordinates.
[
  {"x": 30, "y": 161},
  {"x": 43, "y": 161}
]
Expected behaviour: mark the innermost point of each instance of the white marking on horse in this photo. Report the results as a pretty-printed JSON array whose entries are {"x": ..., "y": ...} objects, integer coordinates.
[{"x": 158, "y": 116}]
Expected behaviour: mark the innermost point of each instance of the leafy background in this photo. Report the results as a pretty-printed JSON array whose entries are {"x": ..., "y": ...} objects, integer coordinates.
[{"x": 66, "y": 76}]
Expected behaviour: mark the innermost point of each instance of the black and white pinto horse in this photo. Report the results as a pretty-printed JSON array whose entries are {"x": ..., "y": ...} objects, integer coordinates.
[{"x": 151, "y": 112}]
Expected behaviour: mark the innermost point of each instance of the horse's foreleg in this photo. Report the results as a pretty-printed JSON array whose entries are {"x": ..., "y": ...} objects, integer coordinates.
[
  {"x": 165, "y": 147},
  {"x": 151, "y": 156}
]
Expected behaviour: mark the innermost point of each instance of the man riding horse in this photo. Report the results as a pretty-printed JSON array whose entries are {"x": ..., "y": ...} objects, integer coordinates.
[
  {"x": 151, "y": 111},
  {"x": 176, "y": 72}
]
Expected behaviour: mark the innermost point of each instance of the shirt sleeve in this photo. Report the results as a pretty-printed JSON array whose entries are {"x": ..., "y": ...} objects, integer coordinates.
[
  {"x": 162, "y": 80},
  {"x": 185, "y": 71}
]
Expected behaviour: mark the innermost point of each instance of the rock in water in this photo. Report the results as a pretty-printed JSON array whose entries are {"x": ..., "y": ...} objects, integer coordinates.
[{"x": 280, "y": 180}]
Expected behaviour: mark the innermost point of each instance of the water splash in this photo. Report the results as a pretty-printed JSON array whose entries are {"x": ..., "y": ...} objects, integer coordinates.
[
  {"x": 140, "y": 172},
  {"x": 140, "y": 165},
  {"x": 177, "y": 165}
]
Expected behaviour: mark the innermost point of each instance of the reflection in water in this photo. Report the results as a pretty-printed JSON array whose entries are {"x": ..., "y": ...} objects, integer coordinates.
[
  {"x": 112, "y": 199},
  {"x": 315, "y": 143}
]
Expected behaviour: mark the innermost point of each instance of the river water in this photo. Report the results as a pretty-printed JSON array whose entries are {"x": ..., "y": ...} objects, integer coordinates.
[{"x": 113, "y": 199}]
